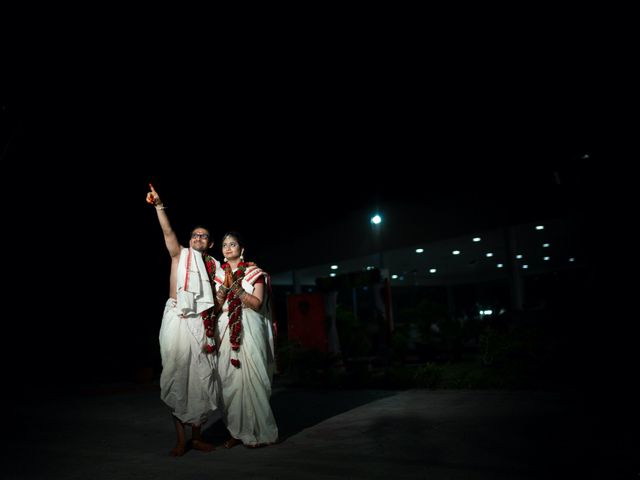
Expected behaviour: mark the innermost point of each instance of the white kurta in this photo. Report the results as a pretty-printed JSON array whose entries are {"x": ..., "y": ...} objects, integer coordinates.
[
  {"x": 246, "y": 390},
  {"x": 187, "y": 382}
]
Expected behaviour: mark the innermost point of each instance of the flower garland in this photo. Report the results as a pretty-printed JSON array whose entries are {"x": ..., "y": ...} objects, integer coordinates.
[
  {"x": 235, "y": 308},
  {"x": 209, "y": 315}
]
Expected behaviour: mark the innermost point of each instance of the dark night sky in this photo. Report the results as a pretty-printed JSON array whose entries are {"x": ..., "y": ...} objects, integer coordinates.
[
  {"x": 326, "y": 159},
  {"x": 467, "y": 121},
  {"x": 331, "y": 158}
]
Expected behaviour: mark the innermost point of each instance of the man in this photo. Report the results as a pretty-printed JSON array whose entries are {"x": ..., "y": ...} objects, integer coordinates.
[{"x": 186, "y": 335}]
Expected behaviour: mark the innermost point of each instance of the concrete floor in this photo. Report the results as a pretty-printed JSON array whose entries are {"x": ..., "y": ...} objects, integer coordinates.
[{"x": 125, "y": 432}]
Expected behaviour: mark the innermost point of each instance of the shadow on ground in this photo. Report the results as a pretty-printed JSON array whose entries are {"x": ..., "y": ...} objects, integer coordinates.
[{"x": 297, "y": 409}]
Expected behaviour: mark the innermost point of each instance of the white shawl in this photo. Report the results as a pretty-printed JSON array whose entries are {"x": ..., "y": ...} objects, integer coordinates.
[{"x": 195, "y": 292}]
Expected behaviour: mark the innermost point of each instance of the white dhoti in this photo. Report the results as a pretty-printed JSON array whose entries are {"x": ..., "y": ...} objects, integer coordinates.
[{"x": 187, "y": 383}]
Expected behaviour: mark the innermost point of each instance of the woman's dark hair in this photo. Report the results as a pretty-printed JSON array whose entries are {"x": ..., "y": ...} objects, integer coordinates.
[{"x": 235, "y": 235}]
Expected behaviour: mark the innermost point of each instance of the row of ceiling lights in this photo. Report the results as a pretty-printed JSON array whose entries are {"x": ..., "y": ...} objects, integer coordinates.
[{"x": 432, "y": 270}]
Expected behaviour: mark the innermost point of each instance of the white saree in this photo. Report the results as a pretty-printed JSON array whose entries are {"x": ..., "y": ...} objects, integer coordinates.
[{"x": 246, "y": 390}]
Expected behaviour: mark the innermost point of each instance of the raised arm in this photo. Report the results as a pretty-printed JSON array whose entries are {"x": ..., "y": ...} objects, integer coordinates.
[{"x": 170, "y": 238}]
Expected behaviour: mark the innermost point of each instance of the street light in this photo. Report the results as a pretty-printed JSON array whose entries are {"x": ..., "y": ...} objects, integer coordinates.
[
  {"x": 382, "y": 300},
  {"x": 376, "y": 221}
]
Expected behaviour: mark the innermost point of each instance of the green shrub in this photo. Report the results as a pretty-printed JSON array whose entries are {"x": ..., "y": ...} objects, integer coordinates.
[{"x": 428, "y": 375}]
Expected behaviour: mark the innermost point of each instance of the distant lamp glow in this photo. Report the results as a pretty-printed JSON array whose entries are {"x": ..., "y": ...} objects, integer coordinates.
[
  {"x": 476, "y": 239},
  {"x": 394, "y": 276},
  {"x": 334, "y": 267},
  {"x": 332, "y": 274},
  {"x": 519, "y": 256},
  {"x": 456, "y": 252},
  {"x": 525, "y": 266},
  {"x": 489, "y": 254},
  {"x": 419, "y": 250},
  {"x": 500, "y": 265},
  {"x": 546, "y": 259},
  {"x": 546, "y": 245},
  {"x": 433, "y": 270},
  {"x": 376, "y": 219},
  {"x": 539, "y": 227},
  {"x": 572, "y": 259}
]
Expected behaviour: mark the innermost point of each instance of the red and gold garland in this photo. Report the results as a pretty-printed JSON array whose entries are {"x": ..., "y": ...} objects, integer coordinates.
[{"x": 235, "y": 308}]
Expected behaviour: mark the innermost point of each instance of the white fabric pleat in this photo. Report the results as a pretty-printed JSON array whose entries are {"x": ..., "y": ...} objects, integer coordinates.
[{"x": 187, "y": 382}]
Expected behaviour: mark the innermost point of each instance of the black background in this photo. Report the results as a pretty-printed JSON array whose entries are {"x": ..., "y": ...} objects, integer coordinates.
[{"x": 280, "y": 153}]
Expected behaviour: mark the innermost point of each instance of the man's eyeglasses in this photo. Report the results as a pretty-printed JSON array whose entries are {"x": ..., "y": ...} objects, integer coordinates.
[{"x": 204, "y": 236}]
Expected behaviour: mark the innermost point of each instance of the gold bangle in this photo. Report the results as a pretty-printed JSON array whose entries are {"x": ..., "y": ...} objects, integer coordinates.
[{"x": 243, "y": 299}]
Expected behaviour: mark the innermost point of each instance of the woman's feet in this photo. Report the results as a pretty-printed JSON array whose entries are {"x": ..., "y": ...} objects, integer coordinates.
[
  {"x": 232, "y": 442},
  {"x": 260, "y": 445},
  {"x": 257, "y": 445}
]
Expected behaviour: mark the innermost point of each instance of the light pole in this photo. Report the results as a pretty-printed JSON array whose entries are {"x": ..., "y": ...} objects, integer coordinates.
[
  {"x": 376, "y": 222},
  {"x": 382, "y": 291}
]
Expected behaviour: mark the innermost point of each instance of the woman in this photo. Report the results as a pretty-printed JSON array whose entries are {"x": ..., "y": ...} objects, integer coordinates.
[{"x": 245, "y": 347}]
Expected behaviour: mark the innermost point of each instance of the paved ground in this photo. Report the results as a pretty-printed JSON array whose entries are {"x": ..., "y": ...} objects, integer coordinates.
[{"x": 124, "y": 432}]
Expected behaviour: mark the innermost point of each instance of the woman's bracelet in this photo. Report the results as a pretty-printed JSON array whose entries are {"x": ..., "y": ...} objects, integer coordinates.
[{"x": 243, "y": 299}]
